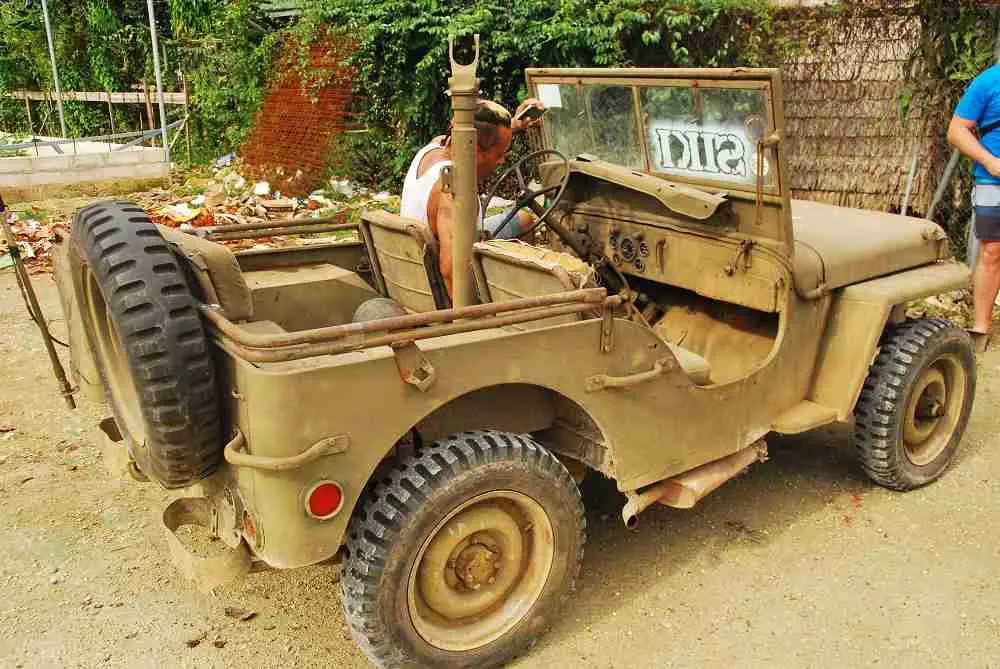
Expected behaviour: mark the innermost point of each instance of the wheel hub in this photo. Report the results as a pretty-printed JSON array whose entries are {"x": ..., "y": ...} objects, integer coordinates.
[
  {"x": 933, "y": 409},
  {"x": 480, "y": 571},
  {"x": 476, "y": 566}
]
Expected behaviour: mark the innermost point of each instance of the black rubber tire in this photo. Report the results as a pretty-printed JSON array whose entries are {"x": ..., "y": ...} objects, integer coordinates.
[
  {"x": 145, "y": 290},
  {"x": 905, "y": 351},
  {"x": 398, "y": 513}
]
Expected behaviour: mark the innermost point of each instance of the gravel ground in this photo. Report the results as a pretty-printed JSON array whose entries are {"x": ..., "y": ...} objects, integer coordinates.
[{"x": 800, "y": 563}]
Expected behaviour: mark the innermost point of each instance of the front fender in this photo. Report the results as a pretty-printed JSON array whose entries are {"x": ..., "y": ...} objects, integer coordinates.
[{"x": 858, "y": 316}]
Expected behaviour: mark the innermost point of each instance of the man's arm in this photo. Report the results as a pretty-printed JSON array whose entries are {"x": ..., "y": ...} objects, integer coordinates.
[
  {"x": 440, "y": 206},
  {"x": 519, "y": 124},
  {"x": 961, "y": 135}
]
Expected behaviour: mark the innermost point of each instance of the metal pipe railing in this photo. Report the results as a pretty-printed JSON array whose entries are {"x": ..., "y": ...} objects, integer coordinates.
[
  {"x": 267, "y": 231},
  {"x": 291, "y": 222},
  {"x": 95, "y": 138},
  {"x": 588, "y": 298},
  {"x": 344, "y": 345}
]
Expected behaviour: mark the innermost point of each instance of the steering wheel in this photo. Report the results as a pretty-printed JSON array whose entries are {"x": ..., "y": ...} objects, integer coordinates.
[{"x": 526, "y": 196}]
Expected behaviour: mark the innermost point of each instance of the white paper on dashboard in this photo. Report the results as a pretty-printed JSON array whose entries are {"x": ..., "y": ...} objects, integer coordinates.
[{"x": 549, "y": 95}]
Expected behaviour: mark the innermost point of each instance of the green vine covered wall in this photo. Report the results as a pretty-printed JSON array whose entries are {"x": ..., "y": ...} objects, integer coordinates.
[{"x": 226, "y": 48}]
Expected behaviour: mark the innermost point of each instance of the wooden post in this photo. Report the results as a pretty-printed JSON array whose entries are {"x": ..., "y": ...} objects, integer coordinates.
[
  {"x": 111, "y": 114},
  {"x": 187, "y": 114},
  {"x": 149, "y": 111},
  {"x": 27, "y": 107}
]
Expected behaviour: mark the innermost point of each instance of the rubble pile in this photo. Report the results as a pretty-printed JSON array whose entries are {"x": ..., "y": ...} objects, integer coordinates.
[
  {"x": 35, "y": 237},
  {"x": 201, "y": 204},
  {"x": 229, "y": 199}
]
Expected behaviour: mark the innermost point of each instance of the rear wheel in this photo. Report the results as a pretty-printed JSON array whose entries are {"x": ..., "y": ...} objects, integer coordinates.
[
  {"x": 915, "y": 404},
  {"x": 463, "y": 553}
]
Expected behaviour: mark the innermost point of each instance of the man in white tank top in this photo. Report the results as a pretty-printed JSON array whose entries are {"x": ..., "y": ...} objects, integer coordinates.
[{"x": 422, "y": 198}]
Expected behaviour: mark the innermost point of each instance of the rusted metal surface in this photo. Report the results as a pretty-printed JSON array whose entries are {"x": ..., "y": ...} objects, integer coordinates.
[
  {"x": 275, "y": 231},
  {"x": 413, "y": 366},
  {"x": 585, "y": 298},
  {"x": 288, "y": 223},
  {"x": 235, "y": 455},
  {"x": 684, "y": 491},
  {"x": 345, "y": 343}
]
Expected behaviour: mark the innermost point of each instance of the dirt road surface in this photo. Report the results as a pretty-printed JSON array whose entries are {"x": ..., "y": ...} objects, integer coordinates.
[{"x": 799, "y": 563}]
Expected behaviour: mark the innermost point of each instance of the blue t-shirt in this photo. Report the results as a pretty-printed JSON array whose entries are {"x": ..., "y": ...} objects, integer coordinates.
[{"x": 981, "y": 103}]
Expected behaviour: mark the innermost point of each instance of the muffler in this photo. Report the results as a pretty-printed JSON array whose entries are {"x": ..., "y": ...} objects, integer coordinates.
[{"x": 687, "y": 489}]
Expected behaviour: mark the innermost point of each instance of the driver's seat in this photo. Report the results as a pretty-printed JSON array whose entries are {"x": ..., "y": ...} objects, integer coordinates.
[{"x": 404, "y": 256}]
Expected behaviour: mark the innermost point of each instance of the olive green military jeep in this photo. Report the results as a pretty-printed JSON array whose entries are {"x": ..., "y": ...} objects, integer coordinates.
[{"x": 330, "y": 400}]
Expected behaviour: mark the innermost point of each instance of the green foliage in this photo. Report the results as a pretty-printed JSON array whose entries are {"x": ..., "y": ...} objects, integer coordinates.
[
  {"x": 402, "y": 50},
  {"x": 226, "y": 57},
  {"x": 363, "y": 157},
  {"x": 101, "y": 45}
]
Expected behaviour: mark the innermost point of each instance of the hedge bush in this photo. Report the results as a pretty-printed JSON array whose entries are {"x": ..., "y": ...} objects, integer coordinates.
[{"x": 402, "y": 56}]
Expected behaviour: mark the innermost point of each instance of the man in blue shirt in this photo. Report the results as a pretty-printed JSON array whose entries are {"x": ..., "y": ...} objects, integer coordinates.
[{"x": 975, "y": 131}]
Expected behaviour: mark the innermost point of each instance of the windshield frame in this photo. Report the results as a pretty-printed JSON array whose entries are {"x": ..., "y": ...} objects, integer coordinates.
[{"x": 766, "y": 79}]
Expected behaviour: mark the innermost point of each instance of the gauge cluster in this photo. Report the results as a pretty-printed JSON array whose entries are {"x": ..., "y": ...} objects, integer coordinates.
[{"x": 629, "y": 249}]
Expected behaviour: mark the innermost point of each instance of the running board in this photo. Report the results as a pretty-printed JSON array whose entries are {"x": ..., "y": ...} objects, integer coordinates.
[{"x": 804, "y": 416}]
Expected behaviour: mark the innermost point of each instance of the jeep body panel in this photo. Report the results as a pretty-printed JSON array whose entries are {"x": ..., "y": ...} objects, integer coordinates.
[{"x": 857, "y": 318}]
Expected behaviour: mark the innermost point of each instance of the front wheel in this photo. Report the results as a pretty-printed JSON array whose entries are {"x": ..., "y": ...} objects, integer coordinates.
[
  {"x": 463, "y": 553},
  {"x": 915, "y": 404}
]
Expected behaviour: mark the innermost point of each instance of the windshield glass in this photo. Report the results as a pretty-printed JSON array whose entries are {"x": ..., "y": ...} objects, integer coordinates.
[
  {"x": 690, "y": 129},
  {"x": 596, "y": 119}
]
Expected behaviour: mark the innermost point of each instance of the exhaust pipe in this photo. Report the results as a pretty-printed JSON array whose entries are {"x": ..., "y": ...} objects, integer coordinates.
[{"x": 687, "y": 489}]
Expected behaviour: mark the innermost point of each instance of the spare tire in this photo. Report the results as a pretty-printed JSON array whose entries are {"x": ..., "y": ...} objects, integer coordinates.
[{"x": 141, "y": 320}]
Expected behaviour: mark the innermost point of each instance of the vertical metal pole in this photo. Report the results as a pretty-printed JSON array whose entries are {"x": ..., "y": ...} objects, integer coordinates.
[
  {"x": 464, "y": 87},
  {"x": 55, "y": 70},
  {"x": 159, "y": 77},
  {"x": 34, "y": 310},
  {"x": 909, "y": 179},
  {"x": 943, "y": 183}
]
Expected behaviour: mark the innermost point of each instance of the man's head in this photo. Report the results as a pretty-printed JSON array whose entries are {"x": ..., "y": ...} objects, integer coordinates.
[{"x": 492, "y": 122}]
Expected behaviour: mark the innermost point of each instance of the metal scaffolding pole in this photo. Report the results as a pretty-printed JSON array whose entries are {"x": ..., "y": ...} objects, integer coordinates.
[
  {"x": 55, "y": 70},
  {"x": 159, "y": 77}
]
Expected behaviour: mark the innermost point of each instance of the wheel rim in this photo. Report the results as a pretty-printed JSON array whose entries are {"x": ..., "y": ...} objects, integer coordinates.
[
  {"x": 934, "y": 409},
  {"x": 480, "y": 571},
  {"x": 113, "y": 359}
]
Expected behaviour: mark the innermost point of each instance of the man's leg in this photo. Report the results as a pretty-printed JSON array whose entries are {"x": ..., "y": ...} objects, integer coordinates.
[
  {"x": 519, "y": 225},
  {"x": 987, "y": 284}
]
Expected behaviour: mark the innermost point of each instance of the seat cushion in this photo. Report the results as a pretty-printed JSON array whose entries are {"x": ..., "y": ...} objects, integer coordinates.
[
  {"x": 512, "y": 270},
  {"x": 837, "y": 246},
  {"x": 217, "y": 271}
]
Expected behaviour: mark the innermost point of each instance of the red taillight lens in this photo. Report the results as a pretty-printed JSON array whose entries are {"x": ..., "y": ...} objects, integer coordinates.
[{"x": 324, "y": 500}]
